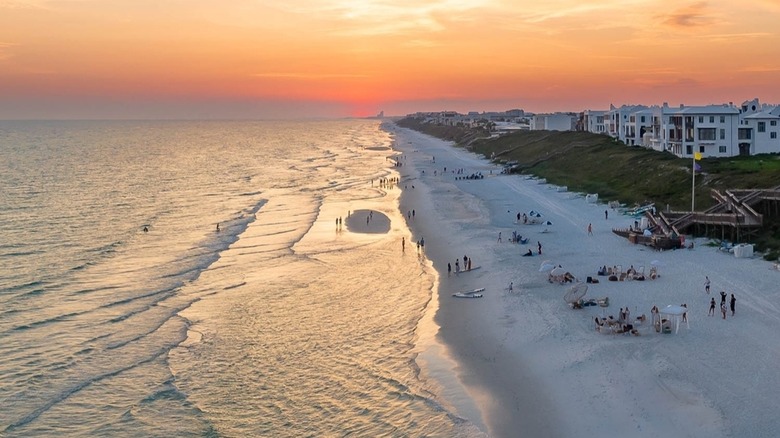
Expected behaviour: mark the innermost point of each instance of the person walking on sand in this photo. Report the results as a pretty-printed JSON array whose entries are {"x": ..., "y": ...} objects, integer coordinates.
[
  {"x": 403, "y": 244},
  {"x": 712, "y": 307},
  {"x": 539, "y": 246},
  {"x": 449, "y": 269},
  {"x": 707, "y": 284},
  {"x": 606, "y": 214},
  {"x": 733, "y": 304},
  {"x": 723, "y": 309},
  {"x": 590, "y": 229},
  {"x": 723, "y": 297},
  {"x": 499, "y": 237}
]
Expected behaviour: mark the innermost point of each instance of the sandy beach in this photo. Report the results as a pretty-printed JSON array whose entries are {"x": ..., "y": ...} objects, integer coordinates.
[{"x": 532, "y": 365}]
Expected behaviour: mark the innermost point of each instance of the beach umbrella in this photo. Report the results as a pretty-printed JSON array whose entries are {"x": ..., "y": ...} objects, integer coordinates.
[
  {"x": 575, "y": 293},
  {"x": 558, "y": 271},
  {"x": 547, "y": 267},
  {"x": 547, "y": 262}
]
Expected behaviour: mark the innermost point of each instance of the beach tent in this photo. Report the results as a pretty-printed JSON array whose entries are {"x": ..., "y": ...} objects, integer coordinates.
[
  {"x": 575, "y": 293},
  {"x": 675, "y": 314},
  {"x": 592, "y": 198}
]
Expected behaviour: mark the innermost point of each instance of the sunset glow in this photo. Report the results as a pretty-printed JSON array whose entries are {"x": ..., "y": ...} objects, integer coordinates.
[{"x": 335, "y": 58}]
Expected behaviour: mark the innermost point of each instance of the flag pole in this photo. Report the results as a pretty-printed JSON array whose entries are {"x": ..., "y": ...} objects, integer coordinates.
[{"x": 693, "y": 182}]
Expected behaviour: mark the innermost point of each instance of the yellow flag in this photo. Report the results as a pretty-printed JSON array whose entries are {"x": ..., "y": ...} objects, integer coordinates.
[{"x": 697, "y": 156}]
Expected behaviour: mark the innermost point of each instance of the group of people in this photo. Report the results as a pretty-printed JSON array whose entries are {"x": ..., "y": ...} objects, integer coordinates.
[
  {"x": 723, "y": 294},
  {"x": 458, "y": 269},
  {"x": 723, "y": 309}
]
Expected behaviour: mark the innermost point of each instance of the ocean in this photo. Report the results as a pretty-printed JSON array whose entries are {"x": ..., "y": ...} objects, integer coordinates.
[{"x": 125, "y": 312}]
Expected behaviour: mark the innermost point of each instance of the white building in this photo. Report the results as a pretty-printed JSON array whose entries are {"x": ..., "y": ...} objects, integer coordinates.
[
  {"x": 711, "y": 130},
  {"x": 593, "y": 121},
  {"x": 758, "y": 129},
  {"x": 616, "y": 120},
  {"x": 554, "y": 122}
]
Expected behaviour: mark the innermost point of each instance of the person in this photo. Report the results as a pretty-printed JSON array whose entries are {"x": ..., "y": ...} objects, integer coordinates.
[
  {"x": 457, "y": 266},
  {"x": 656, "y": 318},
  {"x": 510, "y": 287},
  {"x": 606, "y": 214},
  {"x": 712, "y": 307},
  {"x": 146, "y": 230},
  {"x": 217, "y": 226},
  {"x": 529, "y": 253},
  {"x": 685, "y": 314},
  {"x": 403, "y": 244},
  {"x": 539, "y": 245},
  {"x": 590, "y": 229},
  {"x": 723, "y": 309},
  {"x": 499, "y": 237},
  {"x": 723, "y": 297},
  {"x": 449, "y": 269},
  {"x": 733, "y": 304},
  {"x": 707, "y": 284}
]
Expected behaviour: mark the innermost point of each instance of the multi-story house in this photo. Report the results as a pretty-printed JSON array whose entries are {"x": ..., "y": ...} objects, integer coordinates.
[
  {"x": 758, "y": 129},
  {"x": 710, "y": 130},
  {"x": 554, "y": 122},
  {"x": 593, "y": 121}
]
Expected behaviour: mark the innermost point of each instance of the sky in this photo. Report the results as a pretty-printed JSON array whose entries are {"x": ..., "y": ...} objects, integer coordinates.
[{"x": 280, "y": 59}]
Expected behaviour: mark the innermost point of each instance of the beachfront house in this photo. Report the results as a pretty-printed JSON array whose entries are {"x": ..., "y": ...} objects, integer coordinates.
[
  {"x": 758, "y": 128},
  {"x": 593, "y": 121},
  {"x": 617, "y": 119},
  {"x": 554, "y": 122},
  {"x": 710, "y": 130}
]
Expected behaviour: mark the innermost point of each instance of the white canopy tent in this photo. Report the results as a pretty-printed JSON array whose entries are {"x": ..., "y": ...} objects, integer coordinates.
[{"x": 675, "y": 316}]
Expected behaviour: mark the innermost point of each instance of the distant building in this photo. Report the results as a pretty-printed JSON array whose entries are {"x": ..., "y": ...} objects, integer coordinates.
[
  {"x": 758, "y": 128},
  {"x": 593, "y": 121},
  {"x": 554, "y": 122}
]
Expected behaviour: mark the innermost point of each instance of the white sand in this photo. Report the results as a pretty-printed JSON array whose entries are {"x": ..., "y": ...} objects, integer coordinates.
[{"x": 534, "y": 366}]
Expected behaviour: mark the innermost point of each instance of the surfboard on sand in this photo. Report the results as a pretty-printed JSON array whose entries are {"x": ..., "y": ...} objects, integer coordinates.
[
  {"x": 469, "y": 270},
  {"x": 476, "y": 293}
]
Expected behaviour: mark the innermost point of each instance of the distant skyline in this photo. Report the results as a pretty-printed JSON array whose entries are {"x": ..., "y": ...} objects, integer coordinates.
[{"x": 208, "y": 59}]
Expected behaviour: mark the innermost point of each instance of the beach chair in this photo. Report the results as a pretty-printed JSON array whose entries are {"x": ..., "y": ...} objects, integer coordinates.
[{"x": 653, "y": 273}]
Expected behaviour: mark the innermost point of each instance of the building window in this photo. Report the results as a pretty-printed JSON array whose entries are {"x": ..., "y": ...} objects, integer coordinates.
[
  {"x": 689, "y": 150},
  {"x": 722, "y": 149},
  {"x": 712, "y": 119},
  {"x": 761, "y": 126},
  {"x": 701, "y": 119},
  {"x": 701, "y": 149},
  {"x": 722, "y": 119},
  {"x": 722, "y": 134},
  {"x": 643, "y": 119},
  {"x": 773, "y": 123},
  {"x": 706, "y": 133},
  {"x": 772, "y": 134}
]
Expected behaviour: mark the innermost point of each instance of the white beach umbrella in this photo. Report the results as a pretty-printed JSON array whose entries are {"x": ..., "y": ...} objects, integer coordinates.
[
  {"x": 575, "y": 293},
  {"x": 547, "y": 262},
  {"x": 547, "y": 267},
  {"x": 558, "y": 271}
]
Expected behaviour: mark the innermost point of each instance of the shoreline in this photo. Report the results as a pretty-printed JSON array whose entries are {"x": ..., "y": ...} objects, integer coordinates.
[{"x": 530, "y": 363}]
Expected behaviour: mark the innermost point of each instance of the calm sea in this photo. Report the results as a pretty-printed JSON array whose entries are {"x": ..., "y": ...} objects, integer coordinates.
[{"x": 275, "y": 325}]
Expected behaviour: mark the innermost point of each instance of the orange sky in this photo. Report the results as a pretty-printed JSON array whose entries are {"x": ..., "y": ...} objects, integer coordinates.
[{"x": 314, "y": 58}]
